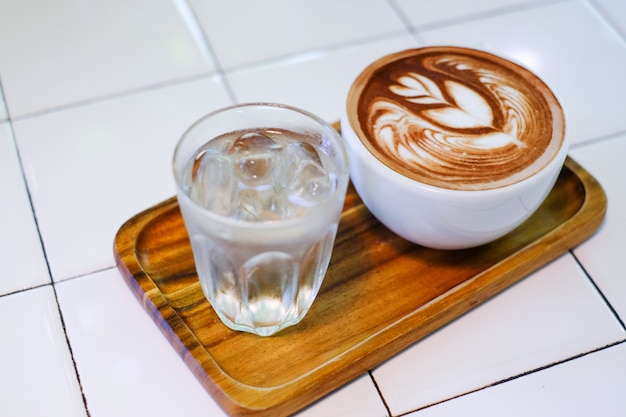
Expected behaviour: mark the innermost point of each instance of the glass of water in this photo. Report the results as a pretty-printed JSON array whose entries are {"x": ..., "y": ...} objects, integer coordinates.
[{"x": 261, "y": 188}]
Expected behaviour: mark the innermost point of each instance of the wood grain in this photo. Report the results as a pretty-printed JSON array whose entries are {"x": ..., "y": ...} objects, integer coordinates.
[{"x": 380, "y": 295}]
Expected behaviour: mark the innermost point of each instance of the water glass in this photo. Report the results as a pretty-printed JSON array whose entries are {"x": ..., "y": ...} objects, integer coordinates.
[{"x": 261, "y": 188}]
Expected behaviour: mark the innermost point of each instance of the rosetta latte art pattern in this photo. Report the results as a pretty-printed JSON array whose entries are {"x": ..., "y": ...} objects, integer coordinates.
[{"x": 456, "y": 121}]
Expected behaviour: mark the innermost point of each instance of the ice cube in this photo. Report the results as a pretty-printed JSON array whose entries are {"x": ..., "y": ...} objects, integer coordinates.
[
  {"x": 254, "y": 205},
  {"x": 310, "y": 185},
  {"x": 255, "y": 171},
  {"x": 248, "y": 205},
  {"x": 213, "y": 182},
  {"x": 285, "y": 209},
  {"x": 291, "y": 157},
  {"x": 254, "y": 155}
]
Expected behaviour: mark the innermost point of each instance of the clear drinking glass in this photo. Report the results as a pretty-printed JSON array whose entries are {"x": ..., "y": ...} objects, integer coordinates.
[{"x": 261, "y": 188}]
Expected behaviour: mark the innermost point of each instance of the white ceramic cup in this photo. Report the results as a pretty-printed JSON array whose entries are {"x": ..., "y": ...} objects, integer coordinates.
[{"x": 444, "y": 218}]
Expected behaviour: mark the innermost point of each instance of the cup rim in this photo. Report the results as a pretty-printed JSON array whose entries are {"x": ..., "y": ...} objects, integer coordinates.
[{"x": 554, "y": 103}]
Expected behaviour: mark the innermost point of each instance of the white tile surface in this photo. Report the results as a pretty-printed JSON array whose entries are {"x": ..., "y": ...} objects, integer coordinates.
[
  {"x": 22, "y": 262},
  {"x": 590, "y": 386},
  {"x": 423, "y": 13},
  {"x": 93, "y": 167},
  {"x": 570, "y": 48},
  {"x": 250, "y": 31},
  {"x": 317, "y": 83},
  {"x": 127, "y": 367},
  {"x": 550, "y": 316},
  {"x": 37, "y": 377},
  {"x": 356, "y": 399},
  {"x": 603, "y": 254},
  {"x": 65, "y": 51}
]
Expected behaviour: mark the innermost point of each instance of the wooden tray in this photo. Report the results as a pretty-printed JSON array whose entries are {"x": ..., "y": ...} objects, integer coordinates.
[{"x": 380, "y": 295}]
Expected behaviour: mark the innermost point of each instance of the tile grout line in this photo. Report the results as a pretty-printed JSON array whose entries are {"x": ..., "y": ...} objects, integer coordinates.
[
  {"x": 599, "y": 291},
  {"x": 34, "y": 287},
  {"x": 488, "y": 14},
  {"x": 113, "y": 96},
  {"x": 405, "y": 20},
  {"x": 26, "y": 187},
  {"x": 87, "y": 273},
  {"x": 380, "y": 394},
  {"x": 606, "y": 17},
  {"x": 69, "y": 346},
  {"x": 557, "y": 363},
  {"x": 45, "y": 255},
  {"x": 518, "y": 376},
  {"x": 599, "y": 139},
  {"x": 190, "y": 18},
  {"x": 70, "y": 278},
  {"x": 305, "y": 54}
]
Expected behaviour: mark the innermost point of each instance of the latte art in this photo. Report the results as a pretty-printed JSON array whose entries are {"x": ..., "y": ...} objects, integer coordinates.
[{"x": 456, "y": 118}]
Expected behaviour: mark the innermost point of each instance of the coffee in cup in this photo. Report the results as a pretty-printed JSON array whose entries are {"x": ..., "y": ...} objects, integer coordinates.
[{"x": 463, "y": 127}]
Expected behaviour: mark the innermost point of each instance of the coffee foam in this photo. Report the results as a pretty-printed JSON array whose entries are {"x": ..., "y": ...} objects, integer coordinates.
[{"x": 456, "y": 118}]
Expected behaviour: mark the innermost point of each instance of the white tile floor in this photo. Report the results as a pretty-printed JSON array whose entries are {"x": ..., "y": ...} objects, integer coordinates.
[{"x": 93, "y": 97}]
